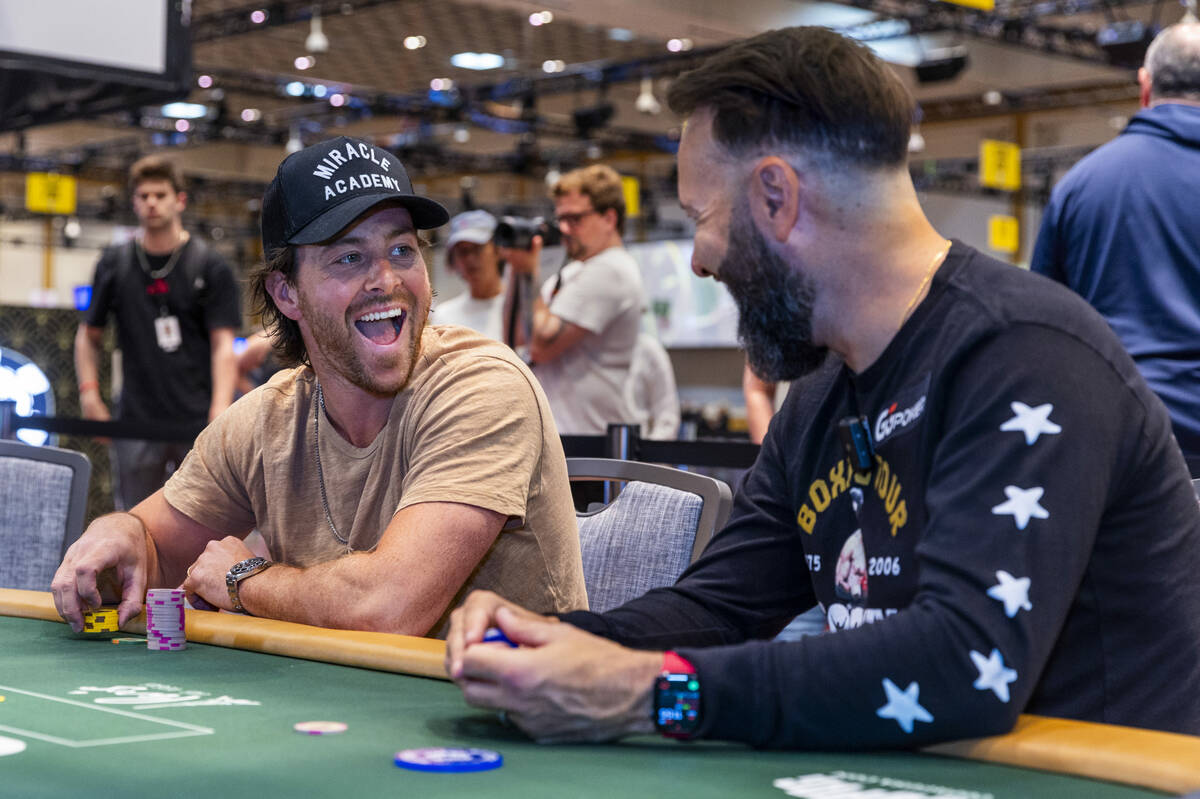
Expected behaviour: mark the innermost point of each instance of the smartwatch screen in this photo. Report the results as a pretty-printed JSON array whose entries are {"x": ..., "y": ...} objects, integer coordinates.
[{"x": 677, "y": 703}]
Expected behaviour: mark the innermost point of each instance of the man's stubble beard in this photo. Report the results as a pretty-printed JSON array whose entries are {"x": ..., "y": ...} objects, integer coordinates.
[{"x": 334, "y": 340}]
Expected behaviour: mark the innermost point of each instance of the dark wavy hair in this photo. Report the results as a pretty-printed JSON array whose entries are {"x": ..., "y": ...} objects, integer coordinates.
[
  {"x": 805, "y": 88},
  {"x": 284, "y": 332},
  {"x": 286, "y": 338}
]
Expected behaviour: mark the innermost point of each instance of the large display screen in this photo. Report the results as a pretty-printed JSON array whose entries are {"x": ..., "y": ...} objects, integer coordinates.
[{"x": 688, "y": 311}]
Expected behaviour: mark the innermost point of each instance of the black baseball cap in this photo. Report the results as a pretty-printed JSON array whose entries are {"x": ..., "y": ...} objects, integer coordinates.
[{"x": 321, "y": 189}]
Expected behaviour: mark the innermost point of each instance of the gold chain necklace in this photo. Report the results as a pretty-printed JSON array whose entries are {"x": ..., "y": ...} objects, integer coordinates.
[{"x": 937, "y": 258}]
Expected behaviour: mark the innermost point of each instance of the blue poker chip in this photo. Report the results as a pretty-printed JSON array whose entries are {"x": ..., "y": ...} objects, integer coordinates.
[
  {"x": 449, "y": 759},
  {"x": 496, "y": 635}
]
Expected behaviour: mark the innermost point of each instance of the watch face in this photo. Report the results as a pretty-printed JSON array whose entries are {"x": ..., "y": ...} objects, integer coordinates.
[
  {"x": 247, "y": 565},
  {"x": 677, "y": 703}
]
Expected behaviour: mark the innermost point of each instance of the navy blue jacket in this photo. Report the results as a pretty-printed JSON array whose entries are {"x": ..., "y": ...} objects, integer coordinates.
[{"x": 1123, "y": 231}]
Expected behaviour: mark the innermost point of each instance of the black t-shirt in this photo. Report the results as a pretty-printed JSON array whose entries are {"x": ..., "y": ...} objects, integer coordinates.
[
  {"x": 1028, "y": 540},
  {"x": 200, "y": 292}
]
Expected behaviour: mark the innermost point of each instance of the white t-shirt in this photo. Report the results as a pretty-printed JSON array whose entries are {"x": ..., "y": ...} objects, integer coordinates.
[
  {"x": 586, "y": 385},
  {"x": 482, "y": 316},
  {"x": 652, "y": 392}
]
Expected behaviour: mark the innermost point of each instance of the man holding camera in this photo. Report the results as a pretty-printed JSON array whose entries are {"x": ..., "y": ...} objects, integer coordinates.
[{"x": 586, "y": 320}]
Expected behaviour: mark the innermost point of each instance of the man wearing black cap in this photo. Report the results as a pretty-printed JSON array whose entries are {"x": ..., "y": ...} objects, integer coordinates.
[{"x": 393, "y": 469}]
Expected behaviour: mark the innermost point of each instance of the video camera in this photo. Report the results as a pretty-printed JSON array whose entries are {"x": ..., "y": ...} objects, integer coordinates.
[{"x": 517, "y": 232}]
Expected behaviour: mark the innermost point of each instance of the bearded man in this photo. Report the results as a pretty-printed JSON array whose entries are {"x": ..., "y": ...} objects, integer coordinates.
[{"x": 1015, "y": 525}]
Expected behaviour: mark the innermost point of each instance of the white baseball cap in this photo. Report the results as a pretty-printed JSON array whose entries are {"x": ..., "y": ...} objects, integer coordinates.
[{"x": 476, "y": 227}]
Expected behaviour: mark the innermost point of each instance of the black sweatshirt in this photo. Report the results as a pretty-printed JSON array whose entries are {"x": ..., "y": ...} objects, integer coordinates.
[{"x": 1028, "y": 540}]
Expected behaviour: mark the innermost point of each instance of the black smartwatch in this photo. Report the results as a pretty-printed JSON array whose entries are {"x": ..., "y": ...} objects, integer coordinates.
[{"x": 677, "y": 698}]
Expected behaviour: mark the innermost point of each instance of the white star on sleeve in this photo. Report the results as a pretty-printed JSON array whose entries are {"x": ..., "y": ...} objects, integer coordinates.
[
  {"x": 1012, "y": 591},
  {"x": 993, "y": 674},
  {"x": 903, "y": 705},
  {"x": 1022, "y": 505},
  {"x": 1031, "y": 421}
]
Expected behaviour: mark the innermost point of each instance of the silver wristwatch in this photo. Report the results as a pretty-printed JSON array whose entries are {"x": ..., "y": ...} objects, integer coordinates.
[{"x": 240, "y": 571}]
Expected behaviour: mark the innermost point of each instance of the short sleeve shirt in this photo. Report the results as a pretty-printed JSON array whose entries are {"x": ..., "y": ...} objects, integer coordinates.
[
  {"x": 586, "y": 385},
  {"x": 470, "y": 427},
  {"x": 200, "y": 292}
]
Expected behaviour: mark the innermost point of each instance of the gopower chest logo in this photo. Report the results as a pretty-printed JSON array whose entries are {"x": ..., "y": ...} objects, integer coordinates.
[{"x": 903, "y": 413}]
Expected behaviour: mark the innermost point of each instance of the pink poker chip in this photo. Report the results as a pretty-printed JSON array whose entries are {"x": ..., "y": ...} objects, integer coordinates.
[{"x": 320, "y": 727}]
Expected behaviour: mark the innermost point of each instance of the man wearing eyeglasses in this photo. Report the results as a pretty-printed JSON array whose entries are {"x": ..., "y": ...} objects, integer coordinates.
[{"x": 586, "y": 319}]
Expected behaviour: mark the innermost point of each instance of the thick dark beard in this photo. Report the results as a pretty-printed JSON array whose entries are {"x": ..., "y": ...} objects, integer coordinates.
[{"x": 774, "y": 301}]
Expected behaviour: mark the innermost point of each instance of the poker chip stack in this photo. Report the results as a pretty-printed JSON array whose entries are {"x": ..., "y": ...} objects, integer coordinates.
[
  {"x": 102, "y": 620},
  {"x": 164, "y": 620}
]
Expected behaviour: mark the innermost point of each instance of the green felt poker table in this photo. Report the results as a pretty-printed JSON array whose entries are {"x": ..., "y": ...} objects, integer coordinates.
[{"x": 90, "y": 717}]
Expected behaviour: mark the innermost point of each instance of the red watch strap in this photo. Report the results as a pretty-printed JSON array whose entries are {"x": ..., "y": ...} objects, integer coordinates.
[{"x": 677, "y": 664}]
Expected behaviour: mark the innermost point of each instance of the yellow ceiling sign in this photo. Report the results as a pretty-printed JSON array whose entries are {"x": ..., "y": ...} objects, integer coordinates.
[
  {"x": 633, "y": 195},
  {"x": 999, "y": 165},
  {"x": 1003, "y": 233},
  {"x": 982, "y": 5},
  {"x": 48, "y": 193}
]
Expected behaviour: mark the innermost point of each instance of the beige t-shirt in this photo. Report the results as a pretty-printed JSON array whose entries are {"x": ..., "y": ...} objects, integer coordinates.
[{"x": 472, "y": 426}]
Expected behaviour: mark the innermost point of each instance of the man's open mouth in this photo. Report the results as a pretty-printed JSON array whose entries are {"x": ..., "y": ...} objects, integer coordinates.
[{"x": 382, "y": 327}]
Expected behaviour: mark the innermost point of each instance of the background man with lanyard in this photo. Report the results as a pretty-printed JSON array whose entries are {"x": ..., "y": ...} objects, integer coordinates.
[{"x": 176, "y": 306}]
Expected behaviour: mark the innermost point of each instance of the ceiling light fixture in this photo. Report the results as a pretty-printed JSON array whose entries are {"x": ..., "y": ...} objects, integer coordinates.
[
  {"x": 294, "y": 143},
  {"x": 552, "y": 66},
  {"x": 477, "y": 61},
  {"x": 317, "y": 41},
  {"x": 258, "y": 16},
  {"x": 414, "y": 42},
  {"x": 304, "y": 62},
  {"x": 646, "y": 102},
  {"x": 204, "y": 81},
  {"x": 539, "y": 18},
  {"x": 184, "y": 110}
]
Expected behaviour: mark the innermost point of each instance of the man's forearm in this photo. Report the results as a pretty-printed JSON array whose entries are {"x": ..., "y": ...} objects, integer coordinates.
[
  {"x": 341, "y": 594},
  {"x": 87, "y": 358},
  {"x": 224, "y": 375}
]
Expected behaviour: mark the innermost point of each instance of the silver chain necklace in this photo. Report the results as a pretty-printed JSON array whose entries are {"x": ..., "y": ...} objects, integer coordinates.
[
  {"x": 318, "y": 409},
  {"x": 157, "y": 274}
]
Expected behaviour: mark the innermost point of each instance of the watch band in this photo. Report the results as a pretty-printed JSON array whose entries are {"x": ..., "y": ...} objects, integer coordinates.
[{"x": 240, "y": 571}]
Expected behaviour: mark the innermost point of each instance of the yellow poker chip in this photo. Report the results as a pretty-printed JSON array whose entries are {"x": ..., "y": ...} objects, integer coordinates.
[{"x": 103, "y": 620}]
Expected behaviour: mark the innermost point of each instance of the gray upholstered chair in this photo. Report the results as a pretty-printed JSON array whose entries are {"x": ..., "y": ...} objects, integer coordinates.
[
  {"x": 644, "y": 538},
  {"x": 43, "y": 498}
]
